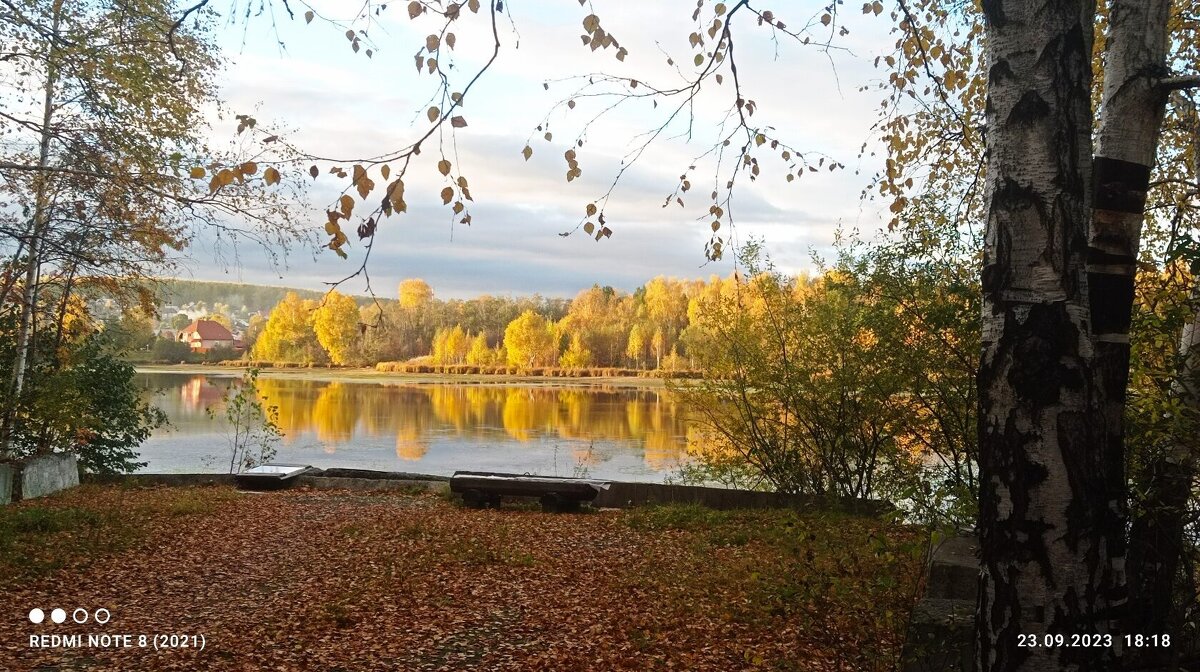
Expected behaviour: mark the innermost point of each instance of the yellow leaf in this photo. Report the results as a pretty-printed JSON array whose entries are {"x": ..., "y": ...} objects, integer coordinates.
[
  {"x": 271, "y": 176},
  {"x": 347, "y": 204},
  {"x": 699, "y": 60},
  {"x": 473, "y": 5},
  {"x": 433, "y": 113},
  {"x": 225, "y": 177},
  {"x": 450, "y": 39},
  {"x": 396, "y": 196},
  {"x": 720, "y": 8},
  {"x": 589, "y": 228},
  {"x": 590, "y": 23},
  {"x": 444, "y": 167},
  {"x": 462, "y": 182},
  {"x": 447, "y": 195},
  {"x": 591, "y": 210},
  {"x": 248, "y": 168},
  {"x": 197, "y": 173},
  {"x": 527, "y": 152},
  {"x": 385, "y": 170}
]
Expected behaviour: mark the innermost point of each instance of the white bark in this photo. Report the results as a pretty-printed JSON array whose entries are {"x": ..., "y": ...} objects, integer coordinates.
[
  {"x": 37, "y": 230},
  {"x": 1045, "y": 523}
]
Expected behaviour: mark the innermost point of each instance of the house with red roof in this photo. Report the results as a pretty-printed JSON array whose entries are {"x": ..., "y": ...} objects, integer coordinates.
[{"x": 204, "y": 335}]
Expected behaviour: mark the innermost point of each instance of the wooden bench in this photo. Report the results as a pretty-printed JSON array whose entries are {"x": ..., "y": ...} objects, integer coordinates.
[{"x": 557, "y": 494}]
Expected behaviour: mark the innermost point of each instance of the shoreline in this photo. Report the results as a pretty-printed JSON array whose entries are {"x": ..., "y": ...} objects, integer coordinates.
[{"x": 371, "y": 375}]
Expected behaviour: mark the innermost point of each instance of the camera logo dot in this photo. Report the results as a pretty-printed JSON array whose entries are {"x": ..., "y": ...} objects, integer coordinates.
[{"x": 79, "y": 615}]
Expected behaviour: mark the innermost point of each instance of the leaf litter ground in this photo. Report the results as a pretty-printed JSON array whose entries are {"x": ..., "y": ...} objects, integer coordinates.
[{"x": 348, "y": 581}]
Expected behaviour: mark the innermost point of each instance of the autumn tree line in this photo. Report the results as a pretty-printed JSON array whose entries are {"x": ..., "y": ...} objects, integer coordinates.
[{"x": 651, "y": 328}]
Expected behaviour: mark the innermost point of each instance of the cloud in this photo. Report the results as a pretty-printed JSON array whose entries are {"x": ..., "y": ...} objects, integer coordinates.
[{"x": 343, "y": 104}]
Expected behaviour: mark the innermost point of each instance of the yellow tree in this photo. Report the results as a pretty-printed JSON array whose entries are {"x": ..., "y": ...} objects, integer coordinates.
[
  {"x": 577, "y": 356},
  {"x": 480, "y": 354},
  {"x": 530, "y": 341},
  {"x": 414, "y": 293},
  {"x": 336, "y": 324},
  {"x": 636, "y": 347},
  {"x": 288, "y": 335}
]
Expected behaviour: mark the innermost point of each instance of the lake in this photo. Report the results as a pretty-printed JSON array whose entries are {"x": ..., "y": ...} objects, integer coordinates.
[{"x": 635, "y": 434}]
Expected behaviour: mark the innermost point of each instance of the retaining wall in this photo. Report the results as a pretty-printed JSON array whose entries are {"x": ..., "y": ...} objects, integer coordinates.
[
  {"x": 38, "y": 476},
  {"x": 618, "y": 494},
  {"x": 6, "y": 484},
  {"x": 942, "y": 628}
]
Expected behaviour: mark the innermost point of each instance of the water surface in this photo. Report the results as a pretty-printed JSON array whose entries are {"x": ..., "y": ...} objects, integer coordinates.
[{"x": 436, "y": 428}]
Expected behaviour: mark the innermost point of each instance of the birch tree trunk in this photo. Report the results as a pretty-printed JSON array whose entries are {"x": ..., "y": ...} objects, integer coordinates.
[
  {"x": 1047, "y": 525},
  {"x": 1131, "y": 115},
  {"x": 41, "y": 216}
]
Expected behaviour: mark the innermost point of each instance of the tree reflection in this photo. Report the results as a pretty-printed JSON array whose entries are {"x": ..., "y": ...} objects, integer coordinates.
[{"x": 336, "y": 412}]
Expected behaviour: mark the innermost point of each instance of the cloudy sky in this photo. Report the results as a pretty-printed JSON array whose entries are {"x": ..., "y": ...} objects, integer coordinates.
[{"x": 336, "y": 103}]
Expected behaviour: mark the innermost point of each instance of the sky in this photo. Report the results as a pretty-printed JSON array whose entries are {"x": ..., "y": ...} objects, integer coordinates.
[{"x": 336, "y": 103}]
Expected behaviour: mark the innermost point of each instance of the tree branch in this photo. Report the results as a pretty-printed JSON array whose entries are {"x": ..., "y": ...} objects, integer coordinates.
[{"x": 1181, "y": 82}]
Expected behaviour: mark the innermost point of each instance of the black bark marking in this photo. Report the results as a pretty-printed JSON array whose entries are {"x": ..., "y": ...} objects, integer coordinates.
[
  {"x": 1084, "y": 462},
  {"x": 998, "y": 73},
  {"x": 1008, "y": 199},
  {"x": 1111, "y": 298},
  {"x": 1030, "y": 109},
  {"x": 1044, "y": 345},
  {"x": 993, "y": 13},
  {"x": 1119, "y": 185}
]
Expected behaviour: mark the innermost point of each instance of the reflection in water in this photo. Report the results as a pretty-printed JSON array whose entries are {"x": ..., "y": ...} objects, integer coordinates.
[{"x": 642, "y": 427}]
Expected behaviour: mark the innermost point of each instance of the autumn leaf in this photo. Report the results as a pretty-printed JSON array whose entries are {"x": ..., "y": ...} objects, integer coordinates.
[
  {"x": 414, "y": 9},
  {"x": 447, "y": 195},
  {"x": 527, "y": 152},
  {"x": 444, "y": 167},
  {"x": 271, "y": 176},
  {"x": 396, "y": 196},
  {"x": 197, "y": 173},
  {"x": 458, "y": 122},
  {"x": 433, "y": 113},
  {"x": 308, "y": 16},
  {"x": 346, "y": 202}
]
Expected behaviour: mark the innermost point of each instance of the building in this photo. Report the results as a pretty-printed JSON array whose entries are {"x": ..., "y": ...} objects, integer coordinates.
[{"x": 204, "y": 335}]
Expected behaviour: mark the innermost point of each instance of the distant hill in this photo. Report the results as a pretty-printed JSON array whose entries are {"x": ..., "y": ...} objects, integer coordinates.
[{"x": 177, "y": 292}]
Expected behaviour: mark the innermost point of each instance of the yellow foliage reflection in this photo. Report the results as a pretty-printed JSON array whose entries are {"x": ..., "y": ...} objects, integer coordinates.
[{"x": 336, "y": 412}]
